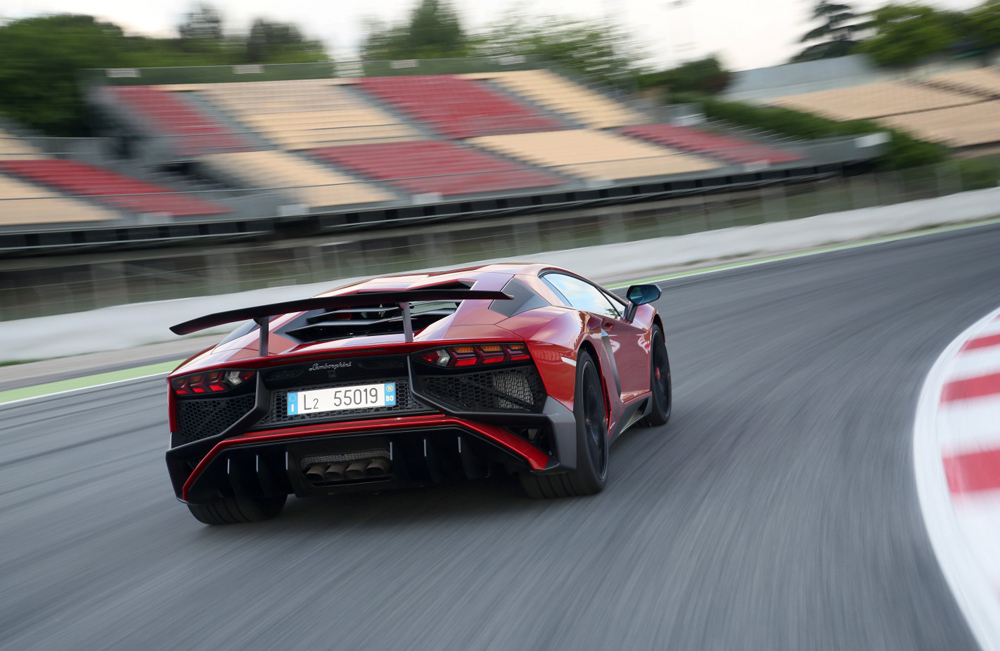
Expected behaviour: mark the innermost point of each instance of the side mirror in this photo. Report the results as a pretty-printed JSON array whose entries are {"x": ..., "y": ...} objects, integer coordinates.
[{"x": 639, "y": 295}]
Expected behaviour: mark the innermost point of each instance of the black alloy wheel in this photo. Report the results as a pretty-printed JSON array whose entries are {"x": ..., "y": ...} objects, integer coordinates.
[
  {"x": 660, "y": 384},
  {"x": 591, "y": 472}
]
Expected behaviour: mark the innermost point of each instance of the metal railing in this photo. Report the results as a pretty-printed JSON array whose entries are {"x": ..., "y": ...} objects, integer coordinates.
[{"x": 36, "y": 287}]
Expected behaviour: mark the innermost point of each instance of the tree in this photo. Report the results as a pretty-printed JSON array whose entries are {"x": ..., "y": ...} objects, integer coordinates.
[
  {"x": 704, "y": 76},
  {"x": 984, "y": 23},
  {"x": 434, "y": 31},
  {"x": 835, "y": 37},
  {"x": 39, "y": 60},
  {"x": 908, "y": 34},
  {"x": 274, "y": 42},
  {"x": 593, "y": 49},
  {"x": 202, "y": 23}
]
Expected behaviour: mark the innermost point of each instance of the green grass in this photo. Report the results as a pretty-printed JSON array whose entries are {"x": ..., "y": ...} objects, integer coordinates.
[{"x": 87, "y": 381}]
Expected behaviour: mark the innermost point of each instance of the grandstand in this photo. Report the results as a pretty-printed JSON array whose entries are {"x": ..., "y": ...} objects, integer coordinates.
[
  {"x": 456, "y": 107},
  {"x": 957, "y": 109},
  {"x": 726, "y": 148},
  {"x": 239, "y": 158},
  {"x": 961, "y": 126},
  {"x": 874, "y": 100},
  {"x": 302, "y": 114},
  {"x": 595, "y": 155},
  {"x": 14, "y": 148},
  {"x": 110, "y": 188},
  {"x": 305, "y": 182},
  {"x": 23, "y": 203},
  {"x": 437, "y": 167},
  {"x": 984, "y": 82},
  {"x": 190, "y": 131},
  {"x": 559, "y": 95}
]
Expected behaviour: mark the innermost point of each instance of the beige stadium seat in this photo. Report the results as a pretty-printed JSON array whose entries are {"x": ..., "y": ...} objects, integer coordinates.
[
  {"x": 981, "y": 81},
  {"x": 14, "y": 148},
  {"x": 310, "y": 183},
  {"x": 961, "y": 126},
  {"x": 561, "y": 95},
  {"x": 23, "y": 203},
  {"x": 874, "y": 100},
  {"x": 180, "y": 88},
  {"x": 307, "y": 113},
  {"x": 596, "y": 155}
]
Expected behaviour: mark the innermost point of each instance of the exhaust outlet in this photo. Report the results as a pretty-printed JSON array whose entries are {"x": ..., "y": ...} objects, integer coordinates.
[
  {"x": 378, "y": 467},
  {"x": 357, "y": 469},
  {"x": 335, "y": 471},
  {"x": 315, "y": 472}
]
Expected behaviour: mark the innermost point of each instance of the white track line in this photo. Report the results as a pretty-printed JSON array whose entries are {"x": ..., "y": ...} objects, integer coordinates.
[
  {"x": 973, "y": 592},
  {"x": 80, "y": 389}
]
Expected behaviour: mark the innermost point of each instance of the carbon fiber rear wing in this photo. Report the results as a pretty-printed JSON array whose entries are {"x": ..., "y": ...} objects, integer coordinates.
[{"x": 261, "y": 314}]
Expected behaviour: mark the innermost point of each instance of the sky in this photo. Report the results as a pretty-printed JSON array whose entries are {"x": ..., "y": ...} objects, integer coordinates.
[{"x": 746, "y": 34}]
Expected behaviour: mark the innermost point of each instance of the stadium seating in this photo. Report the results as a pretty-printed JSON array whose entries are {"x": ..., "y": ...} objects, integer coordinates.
[
  {"x": 191, "y": 130},
  {"x": 558, "y": 94},
  {"x": 24, "y": 203},
  {"x": 727, "y": 148},
  {"x": 311, "y": 184},
  {"x": 110, "y": 188},
  {"x": 961, "y": 126},
  {"x": 441, "y": 167},
  {"x": 456, "y": 107},
  {"x": 874, "y": 100},
  {"x": 14, "y": 148},
  {"x": 596, "y": 155},
  {"x": 981, "y": 81},
  {"x": 301, "y": 114}
]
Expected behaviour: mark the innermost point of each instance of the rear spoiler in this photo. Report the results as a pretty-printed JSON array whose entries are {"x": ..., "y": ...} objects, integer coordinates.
[{"x": 261, "y": 314}]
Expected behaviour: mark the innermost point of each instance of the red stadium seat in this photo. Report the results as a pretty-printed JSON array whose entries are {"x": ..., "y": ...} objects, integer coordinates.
[
  {"x": 192, "y": 131},
  {"x": 110, "y": 188},
  {"x": 432, "y": 166},
  {"x": 457, "y": 108},
  {"x": 727, "y": 148}
]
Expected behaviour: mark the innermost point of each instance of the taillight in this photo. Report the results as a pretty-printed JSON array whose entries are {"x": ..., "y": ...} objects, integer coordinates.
[
  {"x": 211, "y": 382},
  {"x": 474, "y": 355}
]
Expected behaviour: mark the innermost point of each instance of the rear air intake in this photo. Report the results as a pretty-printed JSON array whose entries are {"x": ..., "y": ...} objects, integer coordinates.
[
  {"x": 513, "y": 389},
  {"x": 201, "y": 418}
]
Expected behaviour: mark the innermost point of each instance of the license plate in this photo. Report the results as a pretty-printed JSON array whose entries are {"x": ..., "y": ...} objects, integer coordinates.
[{"x": 340, "y": 398}]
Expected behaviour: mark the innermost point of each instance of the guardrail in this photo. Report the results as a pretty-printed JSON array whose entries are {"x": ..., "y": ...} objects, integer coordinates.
[{"x": 41, "y": 286}]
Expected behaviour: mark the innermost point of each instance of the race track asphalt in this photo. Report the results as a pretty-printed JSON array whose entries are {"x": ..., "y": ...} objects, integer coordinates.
[{"x": 777, "y": 510}]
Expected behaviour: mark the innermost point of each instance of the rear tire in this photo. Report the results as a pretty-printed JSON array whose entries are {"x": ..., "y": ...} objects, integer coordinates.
[
  {"x": 660, "y": 385},
  {"x": 591, "y": 473},
  {"x": 236, "y": 511}
]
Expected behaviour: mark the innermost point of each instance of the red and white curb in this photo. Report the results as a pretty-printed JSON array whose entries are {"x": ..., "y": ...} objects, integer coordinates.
[{"x": 956, "y": 448}]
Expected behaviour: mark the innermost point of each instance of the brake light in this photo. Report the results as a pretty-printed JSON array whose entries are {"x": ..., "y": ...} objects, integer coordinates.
[
  {"x": 475, "y": 355},
  {"x": 212, "y": 382}
]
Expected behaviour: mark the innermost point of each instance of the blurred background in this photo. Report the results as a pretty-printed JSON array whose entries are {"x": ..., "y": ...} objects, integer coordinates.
[
  {"x": 151, "y": 152},
  {"x": 221, "y": 150}
]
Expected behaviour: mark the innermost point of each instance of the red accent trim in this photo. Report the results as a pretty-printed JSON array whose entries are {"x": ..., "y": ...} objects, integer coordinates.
[
  {"x": 973, "y": 472},
  {"x": 982, "y": 342},
  {"x": 171, "y": 409},
  {"x": 536, "y": 458},
  {"x": 281, "y": 359},
  {"x": 977, "y": 387}
]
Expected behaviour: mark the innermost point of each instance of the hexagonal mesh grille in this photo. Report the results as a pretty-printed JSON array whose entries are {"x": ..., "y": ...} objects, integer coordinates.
[
  {"x": 198, "y": 419},
  {"x": 518, "y": 389},
  {"x": 278, "y": 413}
]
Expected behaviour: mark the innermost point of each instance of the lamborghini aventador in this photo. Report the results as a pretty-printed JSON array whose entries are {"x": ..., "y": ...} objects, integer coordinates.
[{"x": 412, "y": 380}]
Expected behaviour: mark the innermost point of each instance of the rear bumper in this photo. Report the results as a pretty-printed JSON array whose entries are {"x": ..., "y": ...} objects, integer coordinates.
[{"x": 425, "y": 449}]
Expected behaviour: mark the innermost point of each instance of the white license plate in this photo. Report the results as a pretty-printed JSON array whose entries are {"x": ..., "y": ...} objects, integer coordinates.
[{"x": 340, "y": 398}]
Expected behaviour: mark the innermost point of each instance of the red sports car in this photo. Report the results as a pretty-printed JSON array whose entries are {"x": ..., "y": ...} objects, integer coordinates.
[{"x": 415, "y": 379}]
